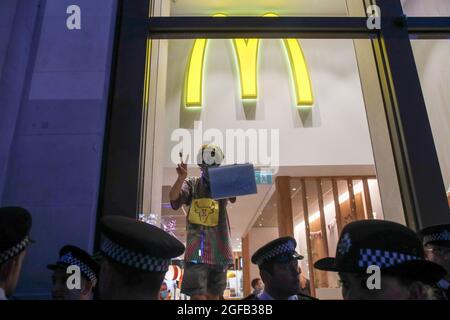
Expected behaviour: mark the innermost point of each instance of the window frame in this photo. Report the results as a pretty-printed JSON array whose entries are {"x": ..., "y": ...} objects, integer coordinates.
[{"x": 421, "y": 184}]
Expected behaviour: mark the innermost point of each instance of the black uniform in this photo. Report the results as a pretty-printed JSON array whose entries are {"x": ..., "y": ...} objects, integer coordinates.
[{"x": 299, "y": 296}]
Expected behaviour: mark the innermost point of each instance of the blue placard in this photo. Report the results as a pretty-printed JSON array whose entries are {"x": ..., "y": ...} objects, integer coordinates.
[{"x": 232, "y": 181}]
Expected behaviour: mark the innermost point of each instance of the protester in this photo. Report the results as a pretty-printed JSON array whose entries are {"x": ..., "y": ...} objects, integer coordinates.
[{"x": 208, "y": 245}]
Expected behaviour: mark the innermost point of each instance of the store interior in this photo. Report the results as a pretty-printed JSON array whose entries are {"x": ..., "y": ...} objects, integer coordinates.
[{"x": 322, "y": 152}]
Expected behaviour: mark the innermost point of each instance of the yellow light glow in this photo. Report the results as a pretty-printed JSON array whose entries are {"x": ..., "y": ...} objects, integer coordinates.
[
  {"x": 194, "y": 76},
  {"x": 147, "y": 74},
  {"x": 300, "y": 73},
  {"x": 247, "y": 54}
]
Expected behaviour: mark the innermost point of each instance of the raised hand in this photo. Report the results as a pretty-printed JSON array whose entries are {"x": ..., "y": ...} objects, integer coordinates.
[{"x": 182, "y": 169}]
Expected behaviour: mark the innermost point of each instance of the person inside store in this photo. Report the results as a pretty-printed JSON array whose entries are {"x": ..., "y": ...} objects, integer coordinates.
[
  {"x": 80, "y": 289},
  {"x": 136, "y": 257},
  {"x": 208, "y": 245},
  {"x": 436, "y": 241},
  {"x": 257, "y": 285},
  {"x": 278, "y": 267},
  {"x": 164, "y": 293},
  {"x": 383, "y": 260},
  {"x": 15, "y": 226}
]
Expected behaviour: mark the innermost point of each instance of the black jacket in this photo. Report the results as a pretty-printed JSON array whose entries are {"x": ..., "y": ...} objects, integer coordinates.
[{"x": 300, "y": 296}]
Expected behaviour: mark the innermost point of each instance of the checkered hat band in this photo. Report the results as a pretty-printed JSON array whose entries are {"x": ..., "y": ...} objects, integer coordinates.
[
  {"x": 134, "y": 259},
  {"x": 441, "y": 236},
  {"x": 14, "y": 251},
  {"x": 287, "y": 247},
  {"x": 70, "y": 260},
  {"x": 383, "y": 259}
]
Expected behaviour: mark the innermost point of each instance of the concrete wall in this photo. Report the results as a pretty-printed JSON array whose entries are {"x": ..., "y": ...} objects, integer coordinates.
[
  {"x": 7, "y": 13},
  {"x": 52, "y": 161}
]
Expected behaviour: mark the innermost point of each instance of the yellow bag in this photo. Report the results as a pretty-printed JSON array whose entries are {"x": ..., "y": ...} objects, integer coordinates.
[{"x": 205, "y": 212}]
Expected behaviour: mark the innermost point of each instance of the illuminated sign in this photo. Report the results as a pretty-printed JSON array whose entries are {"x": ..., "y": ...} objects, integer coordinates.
[
  {"x": 247, "y": 56},
  {"x": 263, "y": 177}
]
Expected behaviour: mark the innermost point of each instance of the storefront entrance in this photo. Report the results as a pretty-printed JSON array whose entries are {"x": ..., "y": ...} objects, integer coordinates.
[{"x": 329, "y": 111}]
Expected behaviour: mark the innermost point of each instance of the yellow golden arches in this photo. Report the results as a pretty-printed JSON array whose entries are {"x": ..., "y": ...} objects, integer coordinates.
[
  {"x": 194, "y": 74},
  {"x": 299, "y": 70},
  {"x": 300, "y": 73},
  {"x": 247, "y": 55},
  {"x": 193, "y": 89}
]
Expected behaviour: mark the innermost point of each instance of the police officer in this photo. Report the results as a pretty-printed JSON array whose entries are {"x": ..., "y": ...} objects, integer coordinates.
[
  {"x": 436, "y": 242},
  {"x": 15, "y": 226},
  {"x": 391, "y": 255},
  {"x": 279, "y": 270},
  {"x": 136, "y": 257},
  {"x": 65, "y": 289}
]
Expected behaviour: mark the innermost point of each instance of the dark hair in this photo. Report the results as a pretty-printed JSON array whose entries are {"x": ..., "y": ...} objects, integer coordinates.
[{"x": 255, "y": 282}]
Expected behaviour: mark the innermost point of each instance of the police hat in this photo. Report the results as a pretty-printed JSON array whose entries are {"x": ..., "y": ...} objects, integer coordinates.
[
  {"x": 15, "y": 226},
  {"x": 280, "y": 250},
  {"x": 394, "y": 248},
  {"x": 138, "y": 244},
  {"x": 438, "y": 234},
  {"x": 71, "y": 255}
]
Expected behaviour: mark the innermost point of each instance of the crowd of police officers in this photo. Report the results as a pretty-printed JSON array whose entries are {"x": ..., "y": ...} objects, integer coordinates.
[{"x": 134, "y": 257}]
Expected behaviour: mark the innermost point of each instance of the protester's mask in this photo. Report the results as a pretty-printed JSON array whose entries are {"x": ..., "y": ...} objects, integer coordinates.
[{"x": 209, "y": 156}]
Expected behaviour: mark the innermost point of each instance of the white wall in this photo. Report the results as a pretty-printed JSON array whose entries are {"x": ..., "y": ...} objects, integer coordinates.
[
  {"x": 257, "y": 238},
  {"x": 433, "y": 64},
  {"x": 335, "y": 133},
  {"x": 426, "y": 7},
  {"x": 259, "y": 7}
]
